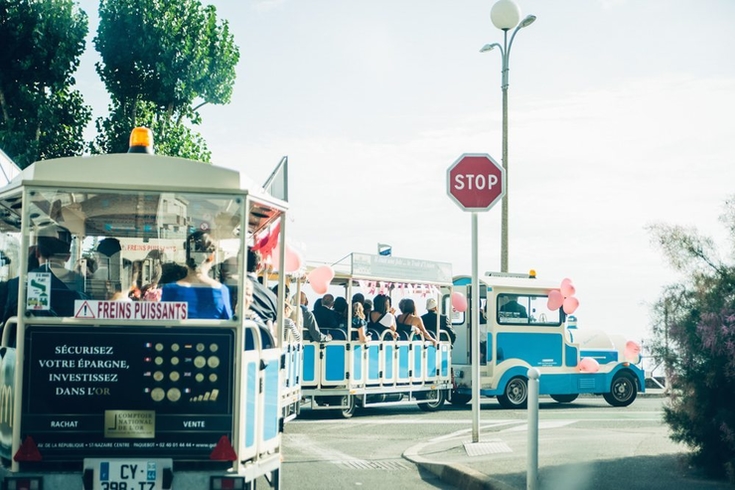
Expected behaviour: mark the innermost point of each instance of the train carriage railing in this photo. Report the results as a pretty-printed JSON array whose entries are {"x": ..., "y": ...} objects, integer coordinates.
[{"x": 341, "y": 373}]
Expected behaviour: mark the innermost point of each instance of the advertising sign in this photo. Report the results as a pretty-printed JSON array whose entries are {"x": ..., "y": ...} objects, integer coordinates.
[{"x": 115, "y": 390}]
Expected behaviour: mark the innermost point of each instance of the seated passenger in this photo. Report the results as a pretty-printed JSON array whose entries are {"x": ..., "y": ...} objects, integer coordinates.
[
  {"x": 411, "y": 323},
  {"x": 289, "y": 326},
  {"x": 359, "y": 324},
  {"x": 206, "y": 297},
  {"x": 381, "y": 318},
  {"x": 249, "y": 314},
  {"x": 340, "y": 311},
  {"x": 324, "y": 314},
  {"x": 308, "y": 323},
  {"x": 512, "y": 306},
  {"x": 431, "y": 319},
  {"x": 52, "y": 251},
  {"x": 265, "y": 303}
]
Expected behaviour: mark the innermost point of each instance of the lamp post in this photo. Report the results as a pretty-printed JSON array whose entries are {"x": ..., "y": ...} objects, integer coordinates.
[{"x": 505, "y": 15}]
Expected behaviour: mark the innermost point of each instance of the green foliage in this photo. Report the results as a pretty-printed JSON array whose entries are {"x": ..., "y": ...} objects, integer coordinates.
[
  {"x": 694, "y": 335},
  {"x": 159, "y": 58},
  {"x": 40, "y": 115},
  {"x": 169, "y": 138}
]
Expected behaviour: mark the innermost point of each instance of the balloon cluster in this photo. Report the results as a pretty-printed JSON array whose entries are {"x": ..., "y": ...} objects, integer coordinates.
[
  {"x": 459, "y": 301},
  {"x": 588, "y": 365},
  {"x": 632, "y": 352},
  {"x": 294, "y": 260},
  {"x": 563, "y": 298},
  {"x": 320, "y": 278}
]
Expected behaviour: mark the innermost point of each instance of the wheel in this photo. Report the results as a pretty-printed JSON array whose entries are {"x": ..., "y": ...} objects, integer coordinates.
[
  {"x": 459, "y": 399},
  {"x": 622, "y": 391},
  {"x": 565, "y": 398},
  {"x": 515, "y": 394},
  {"x": 434, "y": 400},
  {"x": 349, "y": 406}
]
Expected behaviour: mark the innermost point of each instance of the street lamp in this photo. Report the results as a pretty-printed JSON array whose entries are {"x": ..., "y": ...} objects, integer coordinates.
[{"x": 505, "y": 15}]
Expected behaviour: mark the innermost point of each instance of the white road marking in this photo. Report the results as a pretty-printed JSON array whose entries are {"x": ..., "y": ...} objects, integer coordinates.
[{"x": 307, "y": 446}]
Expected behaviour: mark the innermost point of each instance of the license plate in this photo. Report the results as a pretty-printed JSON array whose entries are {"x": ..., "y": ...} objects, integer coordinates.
[{"x": 128, "y": 474}]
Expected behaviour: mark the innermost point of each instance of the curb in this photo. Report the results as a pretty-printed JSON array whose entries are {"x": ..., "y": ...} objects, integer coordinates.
[
  {"x": 464, "y": 477},
  {"x": 458, "y": 475}
]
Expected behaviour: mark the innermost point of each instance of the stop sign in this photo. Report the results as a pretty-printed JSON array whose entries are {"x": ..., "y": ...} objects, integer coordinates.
[{"x": 475, "y": 181}]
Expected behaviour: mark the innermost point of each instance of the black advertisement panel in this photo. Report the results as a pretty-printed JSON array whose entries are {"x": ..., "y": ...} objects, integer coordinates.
[{"x": 122, "y": 391}]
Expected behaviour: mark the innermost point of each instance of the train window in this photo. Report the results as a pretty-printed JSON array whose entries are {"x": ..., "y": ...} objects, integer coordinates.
[
  {"x": 121, "y": 245},
  {"x": 523, "y": 309}
]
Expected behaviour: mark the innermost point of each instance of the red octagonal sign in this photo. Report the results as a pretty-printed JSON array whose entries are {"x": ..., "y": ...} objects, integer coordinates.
[{"x": 476, "y": 182}]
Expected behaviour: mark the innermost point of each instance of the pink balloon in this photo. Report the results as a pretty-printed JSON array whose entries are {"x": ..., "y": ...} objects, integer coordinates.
[
  {"x": 294, "y": 260},
  {"x": 459, "y": 302},
  {"x": 567, "y": 289},
  {"x": 570, "y": 305},
  {"x": 320, "y": 278},
  {"x": 632, "y": 351},
  {"x": 555, "y": 300},
  {"x": 588, "y": 365}
]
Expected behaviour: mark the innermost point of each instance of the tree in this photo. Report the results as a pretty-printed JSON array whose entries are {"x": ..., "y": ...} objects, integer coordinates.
[
  {"x": 159, "y": 58},
  {"x": 41, "y": 116},
  {"x": 695, "y": 337}
]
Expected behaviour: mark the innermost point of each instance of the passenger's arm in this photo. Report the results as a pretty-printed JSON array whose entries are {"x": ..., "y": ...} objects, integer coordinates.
[
  {"x": 311, "y": 325},
  {"x": 389, "y": 321},
  {"x": 424, "y": 333}
]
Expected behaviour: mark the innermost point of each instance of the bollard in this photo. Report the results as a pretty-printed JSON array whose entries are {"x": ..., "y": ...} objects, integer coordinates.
[{"x": 532, "y": 468}]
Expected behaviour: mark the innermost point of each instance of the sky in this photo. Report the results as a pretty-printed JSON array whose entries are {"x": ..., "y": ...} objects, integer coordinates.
[{"x": 620, "y": 117}]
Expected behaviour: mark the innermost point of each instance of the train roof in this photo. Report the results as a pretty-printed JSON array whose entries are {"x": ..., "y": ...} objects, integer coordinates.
[
  {"x": 363, "y": 266},
  {"x": 135, "y": 172},
  {"x": 509, "y": 282}
]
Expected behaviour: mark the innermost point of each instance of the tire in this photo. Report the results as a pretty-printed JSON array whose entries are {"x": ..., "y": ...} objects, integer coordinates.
[
  {"x": 515, "y": 394},
  {"x": 434, "y": 400},
  {"x": 623, "y": 391},
  {"x": 459, "y": 399},
  {"x": 348, "y": 411},
  {"x": 565, "y": 398}
]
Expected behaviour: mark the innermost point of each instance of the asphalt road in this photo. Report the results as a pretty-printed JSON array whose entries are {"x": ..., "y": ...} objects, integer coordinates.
[{"x": 322, "y": 450}]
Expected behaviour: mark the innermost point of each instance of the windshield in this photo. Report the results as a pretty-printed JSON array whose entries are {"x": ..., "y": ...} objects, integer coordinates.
[{"x": 182, "y": 250}]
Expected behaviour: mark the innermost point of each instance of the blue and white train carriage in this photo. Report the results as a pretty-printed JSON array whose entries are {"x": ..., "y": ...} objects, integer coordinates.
[
  {"x": 126, "y": 361},
  {"x": 344, "y": 374},
  {"x": 523, "y": 325}
]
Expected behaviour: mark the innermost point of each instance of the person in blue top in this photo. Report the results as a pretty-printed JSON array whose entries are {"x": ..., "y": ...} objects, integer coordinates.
[{"x": 206, "y": 297}]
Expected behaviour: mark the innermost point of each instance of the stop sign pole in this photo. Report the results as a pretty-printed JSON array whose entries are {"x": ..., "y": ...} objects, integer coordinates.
[{"x": 476, "y": 183}]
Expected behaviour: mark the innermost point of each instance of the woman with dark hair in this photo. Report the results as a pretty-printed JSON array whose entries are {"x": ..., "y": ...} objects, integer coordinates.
[
  {"x": 408, "y": 321},
  {"x": 381, "y": 318},
  {"x": 206, "y": 297},
  {"x": 340, "y": 311}
]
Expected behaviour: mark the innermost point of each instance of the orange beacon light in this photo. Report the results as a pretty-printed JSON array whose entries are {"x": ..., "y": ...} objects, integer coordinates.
[{"x": 141, "y": 141}]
